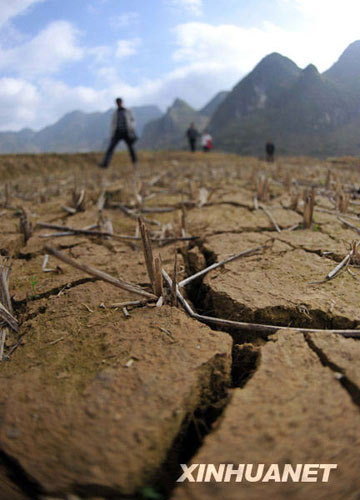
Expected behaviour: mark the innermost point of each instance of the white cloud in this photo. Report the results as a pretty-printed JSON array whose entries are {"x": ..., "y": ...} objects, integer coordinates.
[
  {"x": 124, "y": 20},
  {"x": 194, "y": 7},
  {"x": 61, "y": 95},
  {"x": 196, "y": 84},
  {"x": 10, "y": 9},
  {"x": 327, "y": 27},
  {"x": 35, "y": 106},
  {"x": 45, "y": 53},
  {"x": 18, "y": 103},
  {"x": 126, "y": 48},
  {"x": 233, "y": 47}
]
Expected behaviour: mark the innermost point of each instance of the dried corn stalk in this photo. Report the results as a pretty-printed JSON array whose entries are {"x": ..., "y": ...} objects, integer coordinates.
[
  {"x": 294, "y": 200},
  {"x": 203, "y": 196},
  {"x": 193, "y": 191},
  {"x": 78, "y": 200},
  {"x": 342, "y": 202},
  {"x": 287, "y": 182},
  {"x": 149, "y": 261},
  {"x": 174, "y": 283},
  {"x": 309, "y": 202},
  {"x": 355, "y": 257},
  {"x": 6, "y": 312},
  {"x": 7, "y": 194},
  {"x": 328, "y": 179},
  {"x": 26, "y": 227},
  {"x": 263, "y": 188},
  {"x": 158, "y": 277},
  {"x": 183, "y": 221}
]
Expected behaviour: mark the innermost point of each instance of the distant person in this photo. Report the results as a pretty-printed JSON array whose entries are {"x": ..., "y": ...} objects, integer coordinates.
[
  {"x": 192, "y": 135},
  {"x": 206, "y": 142},
  {"x": 122, "y": 129},
  {"x": 270, "y": 151}
]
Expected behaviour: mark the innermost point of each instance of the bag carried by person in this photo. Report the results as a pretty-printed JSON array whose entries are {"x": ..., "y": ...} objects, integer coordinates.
[{"x": 132, "y": 137}]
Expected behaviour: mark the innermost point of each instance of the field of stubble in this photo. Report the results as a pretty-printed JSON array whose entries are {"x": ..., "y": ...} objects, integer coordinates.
[{"x": 108, "y": 384}]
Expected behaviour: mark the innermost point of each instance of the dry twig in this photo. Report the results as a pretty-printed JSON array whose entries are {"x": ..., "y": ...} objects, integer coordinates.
[
  {"x": 8, "y": 318},
  {"x": 335, "y": 272},
  {"x": 70, "y": 231},
  {"x": 348, "y": 224},
  {"x": 245, "y": 253},
  {"x": 130, "y": 303},
  {"x": 249, "y": 327},
  {"x": 100, "y": 274},
  {"x": 174, "y": 287},
  {"x": 271, "y": 218}
]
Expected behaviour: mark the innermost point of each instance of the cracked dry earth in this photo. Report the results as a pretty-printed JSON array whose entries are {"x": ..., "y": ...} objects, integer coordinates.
[{"x": 94, "y": 404}]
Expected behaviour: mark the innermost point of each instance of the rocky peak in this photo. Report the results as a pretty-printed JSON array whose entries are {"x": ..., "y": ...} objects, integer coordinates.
[{"x": 347, "y": 67}]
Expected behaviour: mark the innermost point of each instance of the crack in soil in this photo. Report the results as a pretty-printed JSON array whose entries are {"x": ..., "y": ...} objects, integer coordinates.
[
  {"x": 207, "y": 301},
  {"x": 352, "y": 389},
  {"x": 231, "y": 203},
  {"x": 246, "y": 358},
  {"x": 333, "y": 256},
  {"x": 214, "y": 398},
  {"x": 33, "y": 255},
  {"x": 279, "y": 315},
  {"x": 18, "y": 305},
  {"x": 242, "y": 230},
  {"x": 18, "y": 477},
  {"x": 207, "y": 416}
]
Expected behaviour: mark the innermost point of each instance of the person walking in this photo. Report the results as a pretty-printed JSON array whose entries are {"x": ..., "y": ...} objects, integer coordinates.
[
  {"x": 122, "y": 129},
  {"x": 270, "y": 151},
  {"x": 192, "y": 135},
  {"x": 206, "y": 142}
]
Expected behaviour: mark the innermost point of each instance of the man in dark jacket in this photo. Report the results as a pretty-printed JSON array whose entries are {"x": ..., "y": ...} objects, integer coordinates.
[
  {"x": 192, "y": 134},
  {"x": 270, "y": 151},
  {"x": 122, "y": 128}
]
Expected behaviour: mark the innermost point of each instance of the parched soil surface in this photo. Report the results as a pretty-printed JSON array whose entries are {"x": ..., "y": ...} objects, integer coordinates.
[{"x": 98, "y": 401}]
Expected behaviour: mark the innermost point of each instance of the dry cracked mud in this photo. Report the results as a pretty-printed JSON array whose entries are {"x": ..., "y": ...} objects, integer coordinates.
[
  {"x": 293, "y": 410},
  {"x": 98, "y": 404}
]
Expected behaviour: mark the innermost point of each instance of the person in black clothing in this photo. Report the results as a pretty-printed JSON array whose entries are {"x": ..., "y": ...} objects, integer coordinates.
[
  {"x": 270, "y": 150},
  {"x": 192, "y": 134},
  {"x": 122, "y": 128}
]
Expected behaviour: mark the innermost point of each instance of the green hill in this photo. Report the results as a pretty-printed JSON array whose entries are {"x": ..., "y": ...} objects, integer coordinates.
[{"x": 168, "y": 132}]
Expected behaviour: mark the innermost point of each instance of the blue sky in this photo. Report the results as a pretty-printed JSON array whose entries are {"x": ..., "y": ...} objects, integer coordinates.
[{"x": 60, "y": 55}]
